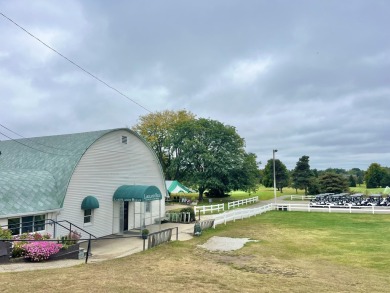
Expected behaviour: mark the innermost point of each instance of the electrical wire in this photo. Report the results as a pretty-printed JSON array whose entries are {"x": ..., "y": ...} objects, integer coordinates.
[
  {"x": 33, "y": 141},
  {"x": 26, "y": 145},
  {"x": 74, "y": 63}
]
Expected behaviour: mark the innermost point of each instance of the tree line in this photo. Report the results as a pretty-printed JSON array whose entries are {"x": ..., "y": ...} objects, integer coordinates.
[
  {"x": 332, "y": 180},
  {"x": 208, "y": 155}
]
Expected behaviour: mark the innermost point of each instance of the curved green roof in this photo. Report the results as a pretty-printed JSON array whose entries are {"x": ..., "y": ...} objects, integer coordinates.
[
  {"x": 33, "y": 180},
  {"x": 89, "y": 203},
  {"x": 137, "y": 193}
]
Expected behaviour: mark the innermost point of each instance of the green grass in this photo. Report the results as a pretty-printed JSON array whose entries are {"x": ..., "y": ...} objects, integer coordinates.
[
  {"x": 264, "y": 193},
  {"x": 295, "y": 252},
  {"x": 366, "y": 191}
]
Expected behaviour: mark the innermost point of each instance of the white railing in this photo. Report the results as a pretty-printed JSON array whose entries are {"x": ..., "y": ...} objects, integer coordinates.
[
  {"x": 240, "y": 214},
  {"x": 302, "y": 197},
  {"x": 210, "y": 208},
  {"x": 333, "y": 209},
  {"x": 241, "y": 202}
]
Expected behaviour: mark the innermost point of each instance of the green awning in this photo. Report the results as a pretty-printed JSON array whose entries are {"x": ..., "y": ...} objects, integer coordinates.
[
  {"x": 137, "y": 193},
  {"x": 89, "y": 203}
]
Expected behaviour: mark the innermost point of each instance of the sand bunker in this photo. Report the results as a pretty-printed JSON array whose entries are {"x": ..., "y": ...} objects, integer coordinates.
[{"x": 216, "y": 243}]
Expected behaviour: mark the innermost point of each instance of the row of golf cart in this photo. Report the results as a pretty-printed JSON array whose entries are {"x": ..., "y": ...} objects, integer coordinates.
[{"x": 347, "y": 200}]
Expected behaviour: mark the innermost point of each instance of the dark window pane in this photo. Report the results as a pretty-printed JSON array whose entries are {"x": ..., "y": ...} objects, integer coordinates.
[
  {"x": 14, "y": 226},
  {"x": 87, "y": 216},
  {"x": 39, "y": 223},
  {"x": 27, "y": 224}
]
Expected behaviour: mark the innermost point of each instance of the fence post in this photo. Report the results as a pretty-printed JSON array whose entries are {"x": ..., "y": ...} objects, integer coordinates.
[{"x": 373, "y": 210}]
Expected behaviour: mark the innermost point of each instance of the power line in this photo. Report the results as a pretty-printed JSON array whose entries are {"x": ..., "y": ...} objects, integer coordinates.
[
  {"x": 19, "y": 142},
  {"x": 53, "y": 147},
  {"x": 33, "y": 141},
  {"x": 75, "y": 64}
]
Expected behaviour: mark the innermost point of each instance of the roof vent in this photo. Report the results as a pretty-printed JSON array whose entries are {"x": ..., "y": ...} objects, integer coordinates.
[{"x": 124, "y": 139}]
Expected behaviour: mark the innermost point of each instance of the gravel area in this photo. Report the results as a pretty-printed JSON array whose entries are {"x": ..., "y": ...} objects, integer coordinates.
[{"x": 216, "y": 243}]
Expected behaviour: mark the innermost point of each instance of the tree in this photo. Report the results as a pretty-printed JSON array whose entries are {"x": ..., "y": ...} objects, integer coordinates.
[
  {"x": 211, "y": 156},
  {"x": 281, "y": 174},
  {"x": 359, "y": 175},
  {"x": 385, "y": 181},
  {"x": 301, "y": 174},
  {"x": 158, "y": 130},
  {"x": 374, "y": 175},
  {"x": 250, "y": 178},
  {"x": 314, "y": 186},
  {"x": 336, "y": 170},
  {"x": 352, "y": 181},
  {"x": 333, "y": 183}
]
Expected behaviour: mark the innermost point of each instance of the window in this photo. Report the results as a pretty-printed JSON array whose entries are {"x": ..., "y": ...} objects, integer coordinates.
[
  {"x": 87, "y": 216},
  {"x": 148, "y": 206},
  {"x": 14, "y": 226},
  {"x": 26, "y": 224},
  {"x": 39, "y": 223},
  {"x": 124, "y": 139}
]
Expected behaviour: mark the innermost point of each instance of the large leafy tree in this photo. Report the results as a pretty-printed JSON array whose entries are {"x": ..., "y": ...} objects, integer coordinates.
[
  {"x": 158, "y": 129},
  {"x": 281, "y": 174},
  {"x": 248, "y": 177},
  {"x": 302, "y": 174},
  {"x": 374, "y": 175},
  {"x": 211, "y": 157},
  {"x": 333, "y": 183}
]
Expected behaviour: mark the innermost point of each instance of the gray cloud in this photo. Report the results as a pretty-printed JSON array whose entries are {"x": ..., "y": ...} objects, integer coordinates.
[{"x": 305, "y": 77}]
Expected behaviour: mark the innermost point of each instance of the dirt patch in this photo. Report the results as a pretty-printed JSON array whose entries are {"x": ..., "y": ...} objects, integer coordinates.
[{"x": 216, "y": 243}]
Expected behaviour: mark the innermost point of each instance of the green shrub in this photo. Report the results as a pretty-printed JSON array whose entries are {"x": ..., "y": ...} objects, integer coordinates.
[
  {"x": 189, "y": 210},
  {"x": 5, "y": 234},
  {"x": 70, "y": 239}
]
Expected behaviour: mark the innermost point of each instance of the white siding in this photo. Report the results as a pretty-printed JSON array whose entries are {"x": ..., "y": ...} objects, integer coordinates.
[
  {"x": 3, "y": 222},
  {"x": 105, "y": 166}
]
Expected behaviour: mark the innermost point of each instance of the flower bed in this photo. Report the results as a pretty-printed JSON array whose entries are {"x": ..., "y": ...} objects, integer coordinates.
[
  {"x": 38, "y": 251},
  {"x": 33, "y": 247}
]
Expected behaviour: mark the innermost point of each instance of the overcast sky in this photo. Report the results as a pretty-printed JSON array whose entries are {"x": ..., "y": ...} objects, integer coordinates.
[{"x": 304, "y": 77}]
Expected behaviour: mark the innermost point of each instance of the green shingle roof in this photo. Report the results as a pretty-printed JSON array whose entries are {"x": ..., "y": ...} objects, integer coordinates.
[{"x": 32, "y": 180}]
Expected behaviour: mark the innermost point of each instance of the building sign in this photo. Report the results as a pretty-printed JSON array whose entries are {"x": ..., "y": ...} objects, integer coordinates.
[{"x": 154, "y": 196}]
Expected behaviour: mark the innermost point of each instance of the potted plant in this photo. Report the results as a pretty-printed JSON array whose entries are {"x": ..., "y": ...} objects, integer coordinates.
[{"x": 144, "y": 233}]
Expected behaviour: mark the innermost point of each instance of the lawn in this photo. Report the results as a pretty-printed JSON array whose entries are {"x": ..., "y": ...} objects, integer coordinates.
[{"x": 296, "y": 252}]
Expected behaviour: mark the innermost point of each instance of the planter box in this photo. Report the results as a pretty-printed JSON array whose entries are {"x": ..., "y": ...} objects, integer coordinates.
[
  {"x": 71, "y": 253},
  {"x": 5, "y": 251}
]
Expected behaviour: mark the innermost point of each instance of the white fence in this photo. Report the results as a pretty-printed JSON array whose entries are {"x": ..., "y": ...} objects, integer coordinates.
[
  {"x": 241, "y": 202},
  {"x": 240, "y": 214},
  {"x": 302, "y": 197},
  {"x": 210, "y": 208},
  {"x": 333, "y": 209}
]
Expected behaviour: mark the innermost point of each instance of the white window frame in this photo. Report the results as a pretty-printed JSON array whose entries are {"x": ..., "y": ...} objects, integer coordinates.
[
  {"x": 34, "y": 227},
  {"x": 88, "y": 217}
]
